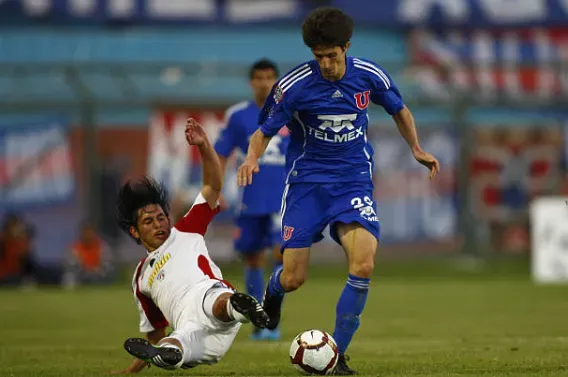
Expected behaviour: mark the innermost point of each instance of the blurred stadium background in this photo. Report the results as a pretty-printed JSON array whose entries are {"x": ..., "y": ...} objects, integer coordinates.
[{"x": 95, "y": 91}]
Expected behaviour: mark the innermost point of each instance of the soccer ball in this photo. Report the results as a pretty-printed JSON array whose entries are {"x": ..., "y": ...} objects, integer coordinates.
[{"x": 314, "y": 352}]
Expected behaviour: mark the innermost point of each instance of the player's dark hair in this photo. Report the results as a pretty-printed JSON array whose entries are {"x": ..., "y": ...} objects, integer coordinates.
[
  {"x": 134, "y": 195},
  {"x": 261, "y": 65},
  {"x": 327, "y": 27}
]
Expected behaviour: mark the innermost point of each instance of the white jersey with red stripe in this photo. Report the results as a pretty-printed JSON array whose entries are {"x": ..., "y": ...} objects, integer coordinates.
[{"x": 164, "y": 278}]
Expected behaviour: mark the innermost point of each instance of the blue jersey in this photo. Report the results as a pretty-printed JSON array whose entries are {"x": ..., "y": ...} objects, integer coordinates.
[
  {"x": 328, "y": 120},
  {"x": 264, "y": 196}
]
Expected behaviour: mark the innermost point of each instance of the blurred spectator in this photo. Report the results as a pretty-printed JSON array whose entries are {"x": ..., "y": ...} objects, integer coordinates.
[
  {"x": 17, "y": 264},
  {"x": 89, "y": 261}
]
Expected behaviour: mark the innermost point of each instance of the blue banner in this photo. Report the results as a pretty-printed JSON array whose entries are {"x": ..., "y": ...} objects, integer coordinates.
[
  {"x": 457, "y": 13},
  {"x": 379, "y": 13},
  {"x": 138, "y": 12},
  {"x": 35, "y": 165}
]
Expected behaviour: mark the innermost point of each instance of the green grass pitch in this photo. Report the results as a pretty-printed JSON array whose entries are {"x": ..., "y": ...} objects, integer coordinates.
[{"x": 419, "y": 321}]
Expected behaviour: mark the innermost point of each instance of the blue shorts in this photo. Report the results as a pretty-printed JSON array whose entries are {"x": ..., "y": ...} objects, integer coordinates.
[
  {"x": 310, "y": 207},
  {"x": 256, "y": 233}
]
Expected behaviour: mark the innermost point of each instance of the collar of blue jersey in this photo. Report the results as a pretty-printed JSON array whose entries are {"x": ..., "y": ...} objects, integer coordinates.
[{"x": 166, "y": 243}]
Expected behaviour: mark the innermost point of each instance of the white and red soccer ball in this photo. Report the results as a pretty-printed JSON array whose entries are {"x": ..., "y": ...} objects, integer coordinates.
[{"x": 314, "y": 352}]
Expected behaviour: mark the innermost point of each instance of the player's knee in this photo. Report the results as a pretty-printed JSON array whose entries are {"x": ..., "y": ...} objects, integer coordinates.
[
  {"x": 293, "y": 281},
  {"x": 362, "y": 269}
]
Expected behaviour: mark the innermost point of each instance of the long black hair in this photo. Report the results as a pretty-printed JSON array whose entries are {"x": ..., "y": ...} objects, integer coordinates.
[{"x": 136, "y": 194}]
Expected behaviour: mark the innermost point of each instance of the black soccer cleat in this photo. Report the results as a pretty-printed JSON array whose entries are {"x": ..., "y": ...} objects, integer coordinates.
[
  {"x": 250, "y": 308},
  {"x": 341, "y": 369},
  {"x": 163, "y": 357},
  {"x": 272, "y": 305}
]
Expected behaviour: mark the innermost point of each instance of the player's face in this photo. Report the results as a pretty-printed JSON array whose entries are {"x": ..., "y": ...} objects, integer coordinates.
[
  {"x": 262, "y": 82},
  {"x": 331, "y": 61},
  {"x": 153, "y": 227}
]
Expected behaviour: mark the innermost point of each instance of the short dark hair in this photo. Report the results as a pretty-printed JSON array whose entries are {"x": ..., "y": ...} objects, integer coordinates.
[
  {"x": 261, "y": 65},
  {"x": 134, "y": 195},
  {"x": 327, "y": 27}
]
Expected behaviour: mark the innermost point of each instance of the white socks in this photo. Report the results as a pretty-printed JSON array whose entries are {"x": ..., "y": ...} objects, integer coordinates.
[
  {"x": 235, "y": 314},
  {"x": 168, "y": 366},
  {"x": 169, "y": 345}
]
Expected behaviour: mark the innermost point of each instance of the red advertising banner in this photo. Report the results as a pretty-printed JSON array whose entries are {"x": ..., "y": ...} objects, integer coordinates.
[{"x": 511, "y": 62}]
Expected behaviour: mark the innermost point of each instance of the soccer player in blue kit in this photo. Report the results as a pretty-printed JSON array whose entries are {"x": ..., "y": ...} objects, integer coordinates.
[
  {"x": 329, "y": 163},
  {"x": 258, "y": 218}
]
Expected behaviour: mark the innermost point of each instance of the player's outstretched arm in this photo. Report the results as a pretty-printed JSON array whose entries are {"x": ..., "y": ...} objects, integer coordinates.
[
  {"x": 222, "y": 202},
  {"x": 212, "y": 172},
  {"x": 257, "y": 145},
  {"x": 136, "y": 367},
  {"x": 407, "y": 128}
]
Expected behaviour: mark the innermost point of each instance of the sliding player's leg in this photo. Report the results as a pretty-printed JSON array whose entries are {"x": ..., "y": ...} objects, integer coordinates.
[
  {"x": 224, "y": 311},
  {"x": 194, "y": 342},
  {"x": 168, "y": 354},
  {"x": 223, "y": 305},
  {"x": 303, "y": 220}
]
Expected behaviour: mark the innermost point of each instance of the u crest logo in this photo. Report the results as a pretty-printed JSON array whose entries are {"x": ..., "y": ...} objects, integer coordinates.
[
  {"x": 287, "y": 232},
  {"x": 362, "y": 99}
]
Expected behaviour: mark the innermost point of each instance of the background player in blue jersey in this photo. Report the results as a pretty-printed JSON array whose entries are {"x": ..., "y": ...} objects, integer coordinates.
[
  {"x": 258, "y": 217},
  {"x": 329, "y": 164}
]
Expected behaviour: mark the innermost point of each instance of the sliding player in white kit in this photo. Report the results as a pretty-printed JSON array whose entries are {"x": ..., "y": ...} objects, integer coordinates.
[{"x": 177, "y": 283}]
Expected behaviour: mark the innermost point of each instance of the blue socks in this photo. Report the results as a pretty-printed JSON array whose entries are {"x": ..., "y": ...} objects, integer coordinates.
[
  {"x": 349, "y": 309},
  {"x": 274, "y": 286},
  {"x": 254, "y": 280}
]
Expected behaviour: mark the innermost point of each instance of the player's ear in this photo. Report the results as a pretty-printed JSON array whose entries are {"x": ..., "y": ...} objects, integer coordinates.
[
  {"x": 346, "y": 47},
  {"x": 134, "y": 233}
]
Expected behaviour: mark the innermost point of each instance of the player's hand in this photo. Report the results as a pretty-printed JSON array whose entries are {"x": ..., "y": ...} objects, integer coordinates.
[
  {"x": 132, "y": 370},
  {"x": 429, "y": 161},
  {"x": 195, "y": 133},
  {"x": 246, "y": 170}
]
